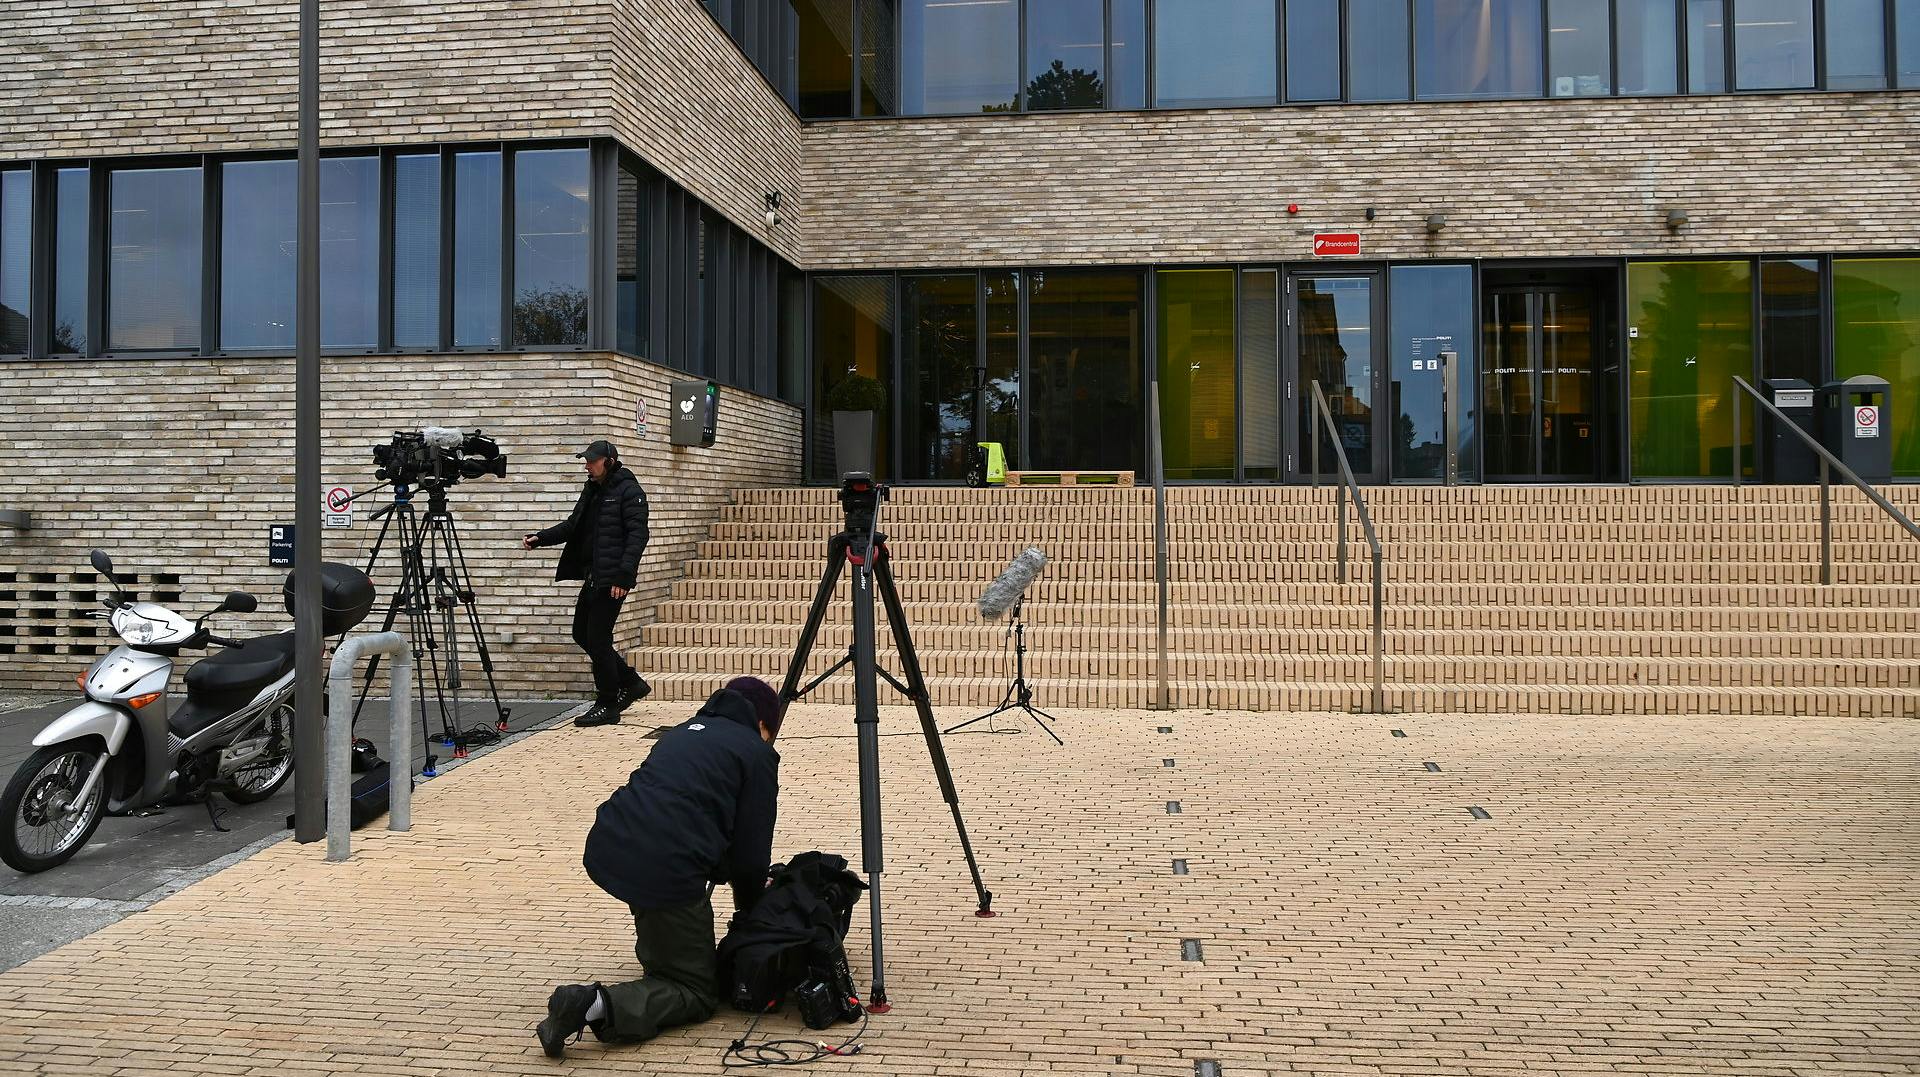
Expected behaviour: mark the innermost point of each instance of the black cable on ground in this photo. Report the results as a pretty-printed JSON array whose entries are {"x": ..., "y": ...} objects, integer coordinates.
[{"x": 743, "y": 1055}]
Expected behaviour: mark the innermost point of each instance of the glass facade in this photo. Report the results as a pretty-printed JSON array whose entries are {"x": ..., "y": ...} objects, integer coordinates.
[
  {"x": 1906, "y": 18},
  {"x": 1856, "y": 44},
  {"x": 153, "y": 272},
  {"x": 1579, "y": 49},
  {"x": 939, "y": 345},
  {"x": 477, "y": 233},
  {"x": 1127, "y": 83},
  {"x": 1773, "y": 44},
  {"x": 72, "y": 258},
  {"x": 1876, "y": 330},
  {"x": 258, "y": 232},
  {"x": 823, "y": 57},
  {"x": 1432, "y": 314},
  {"x": 1262, "y": 426},
  {"x": 1001, "y": 391},
  {"x": 1194, "y": 315},
  {"x": 1333, "y": 341},
  {"x": 1649, "y": 48},
  {"x": 853, "y": 324},
  {"x": 1790, "y": 319},
  {"x": 416, "y": 251},
  {"x": 16, "y": 245},
  {"x": 1706, "y": 46},
  {"x": 1066, "y": 50},
  {"x": 1085, "y": 365},
  {"x": 551, "y": 212},
  {"x": 350, "y": 252},
  {"x": 1690, "y": 331},
  {"x": 1466, "y": 49},
  {"x": 958, "y": 58},
  {"x": 1313, "y": 50},
  {"x": 629, "y": 296},
  {"x": 1379, "y": 50},
  {"x": 1215, "y": 52}
]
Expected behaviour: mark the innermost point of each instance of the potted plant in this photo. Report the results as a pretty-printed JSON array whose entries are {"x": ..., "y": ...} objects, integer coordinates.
[{"x": 854, "y": 400}]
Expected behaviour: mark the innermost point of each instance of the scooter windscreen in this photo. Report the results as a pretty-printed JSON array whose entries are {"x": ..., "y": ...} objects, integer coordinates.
[{"x": 145, "y": 624}]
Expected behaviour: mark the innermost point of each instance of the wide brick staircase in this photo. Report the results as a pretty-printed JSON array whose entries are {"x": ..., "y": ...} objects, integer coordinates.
[{"x": 1561, "y": 600}]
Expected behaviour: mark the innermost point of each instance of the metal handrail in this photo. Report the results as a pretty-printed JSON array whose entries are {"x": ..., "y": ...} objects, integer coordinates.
[
  {"x": 1827, "y": 461},
  {"x": 1348, "y": 485},
  {"x": 1162, "y": 700}
]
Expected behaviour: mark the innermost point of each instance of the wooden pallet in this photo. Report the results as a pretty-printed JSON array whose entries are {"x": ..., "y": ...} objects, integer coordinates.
[{"x": 1069, "y": 478}]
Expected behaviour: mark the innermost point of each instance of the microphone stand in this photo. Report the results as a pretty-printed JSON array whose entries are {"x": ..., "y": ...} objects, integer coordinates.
[{"x": 1019, "y": 695}]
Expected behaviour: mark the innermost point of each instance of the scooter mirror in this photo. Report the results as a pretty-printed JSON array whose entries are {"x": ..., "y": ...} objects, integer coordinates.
[
  {"x": 239, "y": 602},
  {"x": 102, "y": 563}
]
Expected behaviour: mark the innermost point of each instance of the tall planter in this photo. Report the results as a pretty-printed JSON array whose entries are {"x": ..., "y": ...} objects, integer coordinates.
[{"x": 853, "y": 442}]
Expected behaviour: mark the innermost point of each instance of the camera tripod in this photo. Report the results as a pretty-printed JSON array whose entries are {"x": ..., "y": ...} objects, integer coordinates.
[
  {"x": 434, "y": 583},
  {"x": 1019, "y": 694},
  {"x": 865, "y": 551}
]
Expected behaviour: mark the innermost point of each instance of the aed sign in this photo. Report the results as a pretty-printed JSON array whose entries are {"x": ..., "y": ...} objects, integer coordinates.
[
  {"x": 1866, "y": 421},
  {"x": 1330, "y": 244}
]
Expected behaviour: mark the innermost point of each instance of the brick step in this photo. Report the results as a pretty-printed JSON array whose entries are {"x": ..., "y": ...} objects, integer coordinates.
[
  {"x": 1350, "y": 616},
  {"x": 958, "y": 700},
  {"x": 1015, "y": 536},
  {"x": 1513, "y": 551},
  {"x": 1414, "y": 496},
  {"x": 991, "y": 639},
  {"x": 829, "y": 519},
  {"x": 1076, "y": 664}
]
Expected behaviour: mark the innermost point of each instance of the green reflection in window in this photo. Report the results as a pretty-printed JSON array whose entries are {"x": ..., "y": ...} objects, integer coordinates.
[
  {"x": 1196, "y": 372},
  {"x": 1876, "y": 330},
  {"x": 1690, "y": 330}
]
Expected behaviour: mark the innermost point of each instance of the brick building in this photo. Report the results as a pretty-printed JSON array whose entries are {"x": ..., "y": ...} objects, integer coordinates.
[{"x": 1014, "y": 214}]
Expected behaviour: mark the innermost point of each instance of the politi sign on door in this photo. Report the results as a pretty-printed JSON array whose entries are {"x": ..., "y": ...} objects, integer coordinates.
[{"x": 1327, "y": 244}]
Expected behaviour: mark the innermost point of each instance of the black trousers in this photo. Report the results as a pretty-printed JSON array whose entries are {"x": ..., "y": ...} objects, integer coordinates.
[{"x": 593, "y": 617}]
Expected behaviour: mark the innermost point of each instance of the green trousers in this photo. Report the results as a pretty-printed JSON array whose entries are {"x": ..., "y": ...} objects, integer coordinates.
[{"x": 679, "y": 981}]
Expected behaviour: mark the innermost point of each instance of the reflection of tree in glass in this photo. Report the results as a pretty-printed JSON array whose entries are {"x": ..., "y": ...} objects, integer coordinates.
[
  {"x": 68, "y": 339},
  {"x": 550, "y": 316},
  {"x": 1695, "y": 334},
  {"x": 1057, "y": 87},
  {"x": 1872, "y": 334}
]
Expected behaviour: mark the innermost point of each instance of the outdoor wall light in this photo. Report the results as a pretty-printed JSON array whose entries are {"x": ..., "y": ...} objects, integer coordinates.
[
  {"x": 1436, "y": 223},
  {"x": 773, "y": 208},
  {"x": 1676, "y": 219}
]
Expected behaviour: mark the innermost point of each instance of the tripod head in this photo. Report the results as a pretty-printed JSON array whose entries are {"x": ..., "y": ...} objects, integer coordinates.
[{"x": 860, "y": 499}]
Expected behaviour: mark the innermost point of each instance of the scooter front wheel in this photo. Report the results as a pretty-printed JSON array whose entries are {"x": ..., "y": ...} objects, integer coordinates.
[{"x": 40, "y": 825}]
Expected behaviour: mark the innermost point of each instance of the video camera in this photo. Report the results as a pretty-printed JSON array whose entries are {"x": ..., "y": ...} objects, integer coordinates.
[{"x": 438, "y": 457}]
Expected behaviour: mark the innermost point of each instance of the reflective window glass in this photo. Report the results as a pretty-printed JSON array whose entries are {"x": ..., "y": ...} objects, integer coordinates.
[
  {"x": 852, "y": 335},
  {"x": 1649, "y": 36},
  {"x": 629, "y": 292},
  {"x": 1066, "y": 41},
  {"x": 1773, "y": 44},
  {"x": 477, "y": 230},
  {"x": 71, "y": 258},
  {"x": 1378, "y": 60},
  {"x": 1790, "y": 320},
  {"x": 1214, "y": 52},
  {"x": 153, "y": 271},
  {"x": 350, "y": 252},
  {"x": 1432, "y": 315},
  {"x": 1084, "y": 395},
  {"x": 1127, "y": 88},
  {"x": 1856, "y": 42},
  {"x": 1198, "y": 432},
  {"x": 1690, "y": 330},
  {"x": 1476, "y": 48},
  {"x": 416, "y": 251},
  {"x": 1579, "y": 49},
  {"x": 1260, "y": 432},
  {"x": 1313, "y": 50},
  {"x": 1706, "y": 46},
  {"x": 823, "y": 60},
  {"x": 939, "y": 344},
  {"x": 550, "y": 216},
  {"x": 879, "y": 69},
  {"x": 1002, "y": 404},
  {"x": 1876, "y": 330},
  {"x": 16, "y": 245},
  {"x": 258, "y": 231},
  {"x": 958, "y": 58},
  {"x": 1906, "y": 21}
]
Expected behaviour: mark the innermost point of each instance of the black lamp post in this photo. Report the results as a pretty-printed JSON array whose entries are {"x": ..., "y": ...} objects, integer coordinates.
[{"x": 309, "y": 805}]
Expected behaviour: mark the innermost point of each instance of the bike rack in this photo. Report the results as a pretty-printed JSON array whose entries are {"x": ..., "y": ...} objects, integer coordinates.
[{"x": 340, "y": 737}]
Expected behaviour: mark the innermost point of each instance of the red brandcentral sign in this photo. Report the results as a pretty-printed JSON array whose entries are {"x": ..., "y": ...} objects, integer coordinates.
[{"x": 1331, "y": 243}]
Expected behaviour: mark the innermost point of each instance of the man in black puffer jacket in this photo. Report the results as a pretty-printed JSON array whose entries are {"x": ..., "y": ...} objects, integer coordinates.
[
  {"x": 700, "y": 809},
  {"x": 604, "y": 537}
]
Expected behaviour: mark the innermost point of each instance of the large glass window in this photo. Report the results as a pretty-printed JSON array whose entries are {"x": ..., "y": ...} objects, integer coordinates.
[
  {"x": 1790, "y": 319},
  {"x": 1706, "y": 46},
  {"x": 153, "y": 274},
  {"x": 350, "y": 252},
  {"x": 879, "y": 69},
  {"x": 258, "y": 230},
  {"x": 476, "y": 250},
  {"x": 1773, "y": 44},
  {"x": 1476, "y": 48},
  {"x": 1876, "y": 330},
  {"x": 1906, "y": 19},
  {"x": 1432, "y": 314},
  {"x": 958, "y": 58},
  {"x": 629, "y": 295},
  {"x": 73, "y": 201},
  {"x": 1856, "y": 43},
  {"x": 1127, "y": 86},
  {"x": 16, "y": 245},
  {"x": 416, "y": 251},
  {"x": 852, "y": 334},
  {"x": 550, "y": 216},
  {"x": 1214, "y": 52},
  {"x": 1260, "y": 429},
  {"x": 1378, "y": 50},
  {"x": 1648, "y": 32},
  {"x": 823, "y": 64},
  {"x": 939, "y": 342},
  {"x": 1002, "y": 404},
  {"x": 1690, "y": 330},
  {"x": 1579, "y": 49},
  {"x": 1313, "y": 50},
  {"x": 1066, "y": 43},
  {"x": 1196, "y": 349},
  {"x": 1084, "y": 369}
]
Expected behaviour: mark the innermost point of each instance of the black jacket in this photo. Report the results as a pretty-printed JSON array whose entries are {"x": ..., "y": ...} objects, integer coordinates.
[
  {"x": 699, "y": 809},
  {"x": 616, "y": 539}
]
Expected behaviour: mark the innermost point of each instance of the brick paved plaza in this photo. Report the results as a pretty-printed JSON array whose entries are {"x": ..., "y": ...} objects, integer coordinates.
[{"x": 1648, "y": 895}]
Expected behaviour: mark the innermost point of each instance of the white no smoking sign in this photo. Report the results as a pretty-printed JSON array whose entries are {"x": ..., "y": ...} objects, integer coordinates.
[
  {"x": 339, "y": 504},
  {"x": 1866, "y": 421}
]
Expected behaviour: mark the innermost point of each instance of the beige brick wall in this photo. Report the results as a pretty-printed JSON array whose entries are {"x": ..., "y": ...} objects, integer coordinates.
[
  {"x": 1535, "y": 179},
  {"x": 180, "y": 466}
]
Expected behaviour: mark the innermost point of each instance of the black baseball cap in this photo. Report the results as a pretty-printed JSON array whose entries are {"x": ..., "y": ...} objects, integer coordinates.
[{"x": 599, "y": 450}]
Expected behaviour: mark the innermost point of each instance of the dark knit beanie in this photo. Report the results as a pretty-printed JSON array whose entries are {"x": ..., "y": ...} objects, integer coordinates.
[{"x": 766, "y": 701}]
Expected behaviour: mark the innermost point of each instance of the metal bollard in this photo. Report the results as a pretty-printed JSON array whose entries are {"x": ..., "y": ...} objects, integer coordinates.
[{"x": 340, "y": 737}]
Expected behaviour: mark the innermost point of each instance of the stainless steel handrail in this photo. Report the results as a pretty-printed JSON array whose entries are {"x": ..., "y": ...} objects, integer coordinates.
[
  {"x": 1162, "y": 700},
  {"x": 1348, "y": 485},
  {"x": 1828, "y": 461}
]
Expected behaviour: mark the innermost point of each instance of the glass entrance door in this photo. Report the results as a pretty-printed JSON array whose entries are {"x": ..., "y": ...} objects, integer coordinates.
[
  {"x": 1539, "y": 390},
  {"x": 1331, "y": 341}
]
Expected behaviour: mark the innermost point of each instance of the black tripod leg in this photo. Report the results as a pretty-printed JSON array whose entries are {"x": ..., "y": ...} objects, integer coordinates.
[
  {"x": 822, "y": 598},
  {"x": 463, "y": 586},
  {"x": 393, "y": 604},
  {"x": 866, "y": 720},
  {"x": 917, "y": 684}
]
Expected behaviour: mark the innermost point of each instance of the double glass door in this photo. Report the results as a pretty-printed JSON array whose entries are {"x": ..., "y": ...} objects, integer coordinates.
[{"x": 1540, "y": 396}]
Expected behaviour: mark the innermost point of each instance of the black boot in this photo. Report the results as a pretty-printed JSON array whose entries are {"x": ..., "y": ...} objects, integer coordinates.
[
  {"x": 635, "y": 690},
  {"x": 566, "y": 1016},
  {"x": 598, "y": 714}
]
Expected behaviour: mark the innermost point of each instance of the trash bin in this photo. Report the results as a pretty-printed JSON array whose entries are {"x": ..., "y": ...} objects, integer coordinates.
[
  {"x": 1853, "y": 417},
  {"x": 1788, "y": 458}
]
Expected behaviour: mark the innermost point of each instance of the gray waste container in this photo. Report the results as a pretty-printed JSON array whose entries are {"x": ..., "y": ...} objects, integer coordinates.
[
  {"x": 1788, "y": 458},
  {"x": 1853, "y": 417}
]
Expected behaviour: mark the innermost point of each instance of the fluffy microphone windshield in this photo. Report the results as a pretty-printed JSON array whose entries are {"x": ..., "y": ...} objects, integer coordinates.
[{"x": 1005, "y": 591}]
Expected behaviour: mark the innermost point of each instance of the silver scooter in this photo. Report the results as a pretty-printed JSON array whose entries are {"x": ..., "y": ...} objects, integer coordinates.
[{"x": 121, "y": 752}]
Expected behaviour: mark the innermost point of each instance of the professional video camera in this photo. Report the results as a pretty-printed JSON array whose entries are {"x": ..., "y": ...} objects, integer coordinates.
[{"x": 438, "y": 457}]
